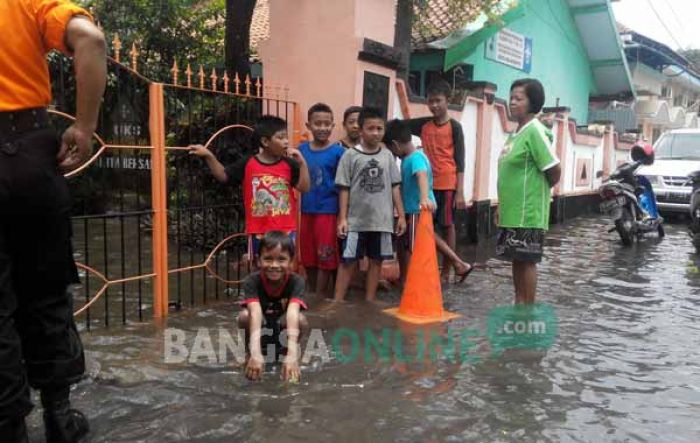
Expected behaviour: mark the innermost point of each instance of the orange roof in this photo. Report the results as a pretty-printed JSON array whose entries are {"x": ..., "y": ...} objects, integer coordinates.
[{"x": 434, "y": 22}]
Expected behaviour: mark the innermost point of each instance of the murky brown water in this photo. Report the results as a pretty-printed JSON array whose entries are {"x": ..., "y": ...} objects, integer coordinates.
[{"x": 625, "y": 365}]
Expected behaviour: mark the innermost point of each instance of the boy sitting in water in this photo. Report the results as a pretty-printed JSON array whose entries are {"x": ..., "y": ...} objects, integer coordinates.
[{"x": 274, "y": 297}]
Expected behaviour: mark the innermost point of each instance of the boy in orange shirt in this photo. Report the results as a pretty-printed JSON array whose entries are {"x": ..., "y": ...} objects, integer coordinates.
[{"x": 443, "y": 142}]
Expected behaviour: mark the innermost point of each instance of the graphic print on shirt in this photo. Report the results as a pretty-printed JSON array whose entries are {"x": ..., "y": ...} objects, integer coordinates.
[
  {"x": 371, "y": 180},
  {"x": 316, "y": 174},
  {"x": 270, "y": 196}
]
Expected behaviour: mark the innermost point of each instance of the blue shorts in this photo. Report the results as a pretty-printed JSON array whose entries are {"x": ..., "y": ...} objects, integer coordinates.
[
  {"x": 254, "y": 244},
  {"x": 373, "y": 245}
]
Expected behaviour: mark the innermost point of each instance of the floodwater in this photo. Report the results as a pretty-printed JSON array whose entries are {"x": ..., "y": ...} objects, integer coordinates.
[{"x": 625, "y": 365}]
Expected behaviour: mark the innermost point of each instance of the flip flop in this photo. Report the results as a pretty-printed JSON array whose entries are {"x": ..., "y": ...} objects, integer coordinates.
[{"x": 464, "y": 276}]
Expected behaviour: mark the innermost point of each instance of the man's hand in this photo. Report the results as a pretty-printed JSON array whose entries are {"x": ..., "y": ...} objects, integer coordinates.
[
  {"x": 428, "y": 204},
  {"x": 254, "y": 368},
  {"x": 76, "y": 147},
  {"x": 461, "y": 203},
  {"x": 291, "y": 371},
  {"x": 200, "y": 151},
  {"x": 401, "y": 226},
  {"x": 342, "y": 228}
]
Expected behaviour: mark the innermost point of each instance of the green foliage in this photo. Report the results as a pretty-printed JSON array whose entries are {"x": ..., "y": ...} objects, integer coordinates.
[{"x": 164, "y": 30}]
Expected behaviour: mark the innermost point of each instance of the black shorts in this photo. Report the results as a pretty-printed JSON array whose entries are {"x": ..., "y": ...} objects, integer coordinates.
[
  {"x": 446, "y": 205},
  {"x": 520, "y": 244},
  {"x": 373, "y": 245}
]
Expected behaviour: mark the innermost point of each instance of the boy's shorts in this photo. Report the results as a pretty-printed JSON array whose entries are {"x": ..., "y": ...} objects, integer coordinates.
[
  {"x": 446, "y": 205},
  {"x": 409, "y": 237},
  {"x": 319, "y": 245},
  {"x": 374, "y": 245},
  {"x": 520, "y": 244},
  {"x": 254, "y": 244}
]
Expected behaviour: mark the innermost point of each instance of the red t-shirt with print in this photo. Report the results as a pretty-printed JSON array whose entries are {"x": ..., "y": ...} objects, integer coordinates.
[{"x": 268, "y": 193}]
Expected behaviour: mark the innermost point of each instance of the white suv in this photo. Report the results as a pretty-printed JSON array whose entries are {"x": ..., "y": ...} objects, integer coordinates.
[{"x": 677, "y": 154}]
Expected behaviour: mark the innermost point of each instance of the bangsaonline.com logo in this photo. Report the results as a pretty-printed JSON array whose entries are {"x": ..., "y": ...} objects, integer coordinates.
[{"x": 533, "y": 327}]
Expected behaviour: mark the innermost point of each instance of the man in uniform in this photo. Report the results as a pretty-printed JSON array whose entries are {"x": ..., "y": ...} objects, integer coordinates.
[{"x": 39, "y": 343}]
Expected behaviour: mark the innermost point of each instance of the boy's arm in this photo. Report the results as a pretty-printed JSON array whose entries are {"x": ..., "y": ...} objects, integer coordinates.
[
  {"x": 398, "y": 203},
  {"x": 458, "y": 141},
  {"x": 416, "y": 124},
  {"x": 304, "y": 182},
  {"x": 425, "y": 201},
  {"x": 290, "y": 368},
  {"x": 343, "y": 201},
  {"x": 256, "y": 361},
  {"x": 215, "y": 166}
]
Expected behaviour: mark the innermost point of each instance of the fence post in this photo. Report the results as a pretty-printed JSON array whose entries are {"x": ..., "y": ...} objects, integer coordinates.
[{"x": 159, "y": 200}]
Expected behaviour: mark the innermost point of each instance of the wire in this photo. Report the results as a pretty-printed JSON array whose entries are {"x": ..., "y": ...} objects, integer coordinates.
[
  {"x": 663, "y": 24},
  {"x": 678, "y": 20}
]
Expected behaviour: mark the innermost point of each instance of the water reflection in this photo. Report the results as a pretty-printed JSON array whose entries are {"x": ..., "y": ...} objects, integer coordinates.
[{"x": 624, "y": 366}]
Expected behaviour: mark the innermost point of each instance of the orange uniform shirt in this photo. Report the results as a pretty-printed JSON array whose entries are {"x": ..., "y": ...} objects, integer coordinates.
[
  {"x": 31, "y": 28},
  {"x": 438, "y": 145}
]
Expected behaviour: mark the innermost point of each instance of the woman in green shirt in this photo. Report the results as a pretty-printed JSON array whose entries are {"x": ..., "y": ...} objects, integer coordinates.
[{"x": 527, "y": 170}]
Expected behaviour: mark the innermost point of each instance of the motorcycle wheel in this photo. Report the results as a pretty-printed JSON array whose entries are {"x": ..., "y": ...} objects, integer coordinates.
[
  {"x": 662, "y": 233},
  {"x": 624, "y": 227}
]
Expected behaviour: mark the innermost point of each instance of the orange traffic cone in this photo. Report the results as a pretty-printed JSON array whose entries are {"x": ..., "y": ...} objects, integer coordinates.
[{"x": 421, "y": 301}]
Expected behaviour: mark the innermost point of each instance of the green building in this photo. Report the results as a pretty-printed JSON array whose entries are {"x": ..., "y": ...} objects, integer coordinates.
[{"x": 571, "y": 46}]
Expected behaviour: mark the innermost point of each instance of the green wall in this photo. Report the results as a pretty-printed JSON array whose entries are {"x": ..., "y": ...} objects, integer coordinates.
[{"x": 559, "y": 58}]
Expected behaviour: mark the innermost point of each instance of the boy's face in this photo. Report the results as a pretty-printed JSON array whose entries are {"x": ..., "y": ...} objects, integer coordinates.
[
  {"x": 274, "y": 263},
  {"x": 352, "y": 126},
  {"x": 437, "y": 104},
  {"x": 321, "y": 126},
  {"x": 372, "y": 132},
  {"x": 277, "y": 144},
  {"x": 395, "y": 149}
]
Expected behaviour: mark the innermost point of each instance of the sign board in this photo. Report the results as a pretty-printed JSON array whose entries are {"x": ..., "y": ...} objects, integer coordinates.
[{"x": 510, "y": 48}]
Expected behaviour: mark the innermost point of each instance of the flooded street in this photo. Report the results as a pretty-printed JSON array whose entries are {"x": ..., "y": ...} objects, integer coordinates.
[{"x": 625, "y": 365}]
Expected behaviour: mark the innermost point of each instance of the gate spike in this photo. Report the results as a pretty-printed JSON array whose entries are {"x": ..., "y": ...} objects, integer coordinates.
[
  {"x": 134, "y": 57},
  {"x": 214, "y": 78},
  {"x": 226, "y": 81},
  {"x": 117, "y": 45},
  {"x": 201, "y": 77},
  {"x": 257, "y": 87},
  {"x": 247, "y": 84},
  {"x": 237, "y": 84},
  {"x": 189, "y": 75},
  {"x": 175, "y": 70}
]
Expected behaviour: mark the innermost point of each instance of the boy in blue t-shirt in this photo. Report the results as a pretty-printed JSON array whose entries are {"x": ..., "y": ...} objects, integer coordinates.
[
  {"x": 417, "y": 194},
  {"x": 319, "y": 206}
]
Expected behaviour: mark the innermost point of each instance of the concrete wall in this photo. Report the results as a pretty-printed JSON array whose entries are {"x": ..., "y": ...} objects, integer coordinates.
[
  {"x": 313, "y": 49},
  {"x": 486, "y": 128}
]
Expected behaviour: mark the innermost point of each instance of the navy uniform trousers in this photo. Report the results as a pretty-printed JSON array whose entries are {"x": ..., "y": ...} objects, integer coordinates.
[{"x": 39, "y": 343}]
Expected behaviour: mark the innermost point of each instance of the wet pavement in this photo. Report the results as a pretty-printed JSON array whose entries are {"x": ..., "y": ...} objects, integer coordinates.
[{"x": 625, "y": 365}]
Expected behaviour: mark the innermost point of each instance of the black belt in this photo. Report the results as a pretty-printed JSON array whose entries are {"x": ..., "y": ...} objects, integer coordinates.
[{"x": 25, "y": 120}]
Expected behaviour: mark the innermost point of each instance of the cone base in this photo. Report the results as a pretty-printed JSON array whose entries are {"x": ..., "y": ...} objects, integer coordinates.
[{"x": 446, "y": 316}]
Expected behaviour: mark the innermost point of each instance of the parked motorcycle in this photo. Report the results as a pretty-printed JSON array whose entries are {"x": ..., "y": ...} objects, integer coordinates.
[
  {"x": 695, "y": 209},
  {"x": 630, "y": 198}
]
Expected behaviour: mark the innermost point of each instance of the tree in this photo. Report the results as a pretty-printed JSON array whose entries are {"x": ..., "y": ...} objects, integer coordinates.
[
  {"x": 163, "y": 30},
  {"x": 239, "y": 17}
]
